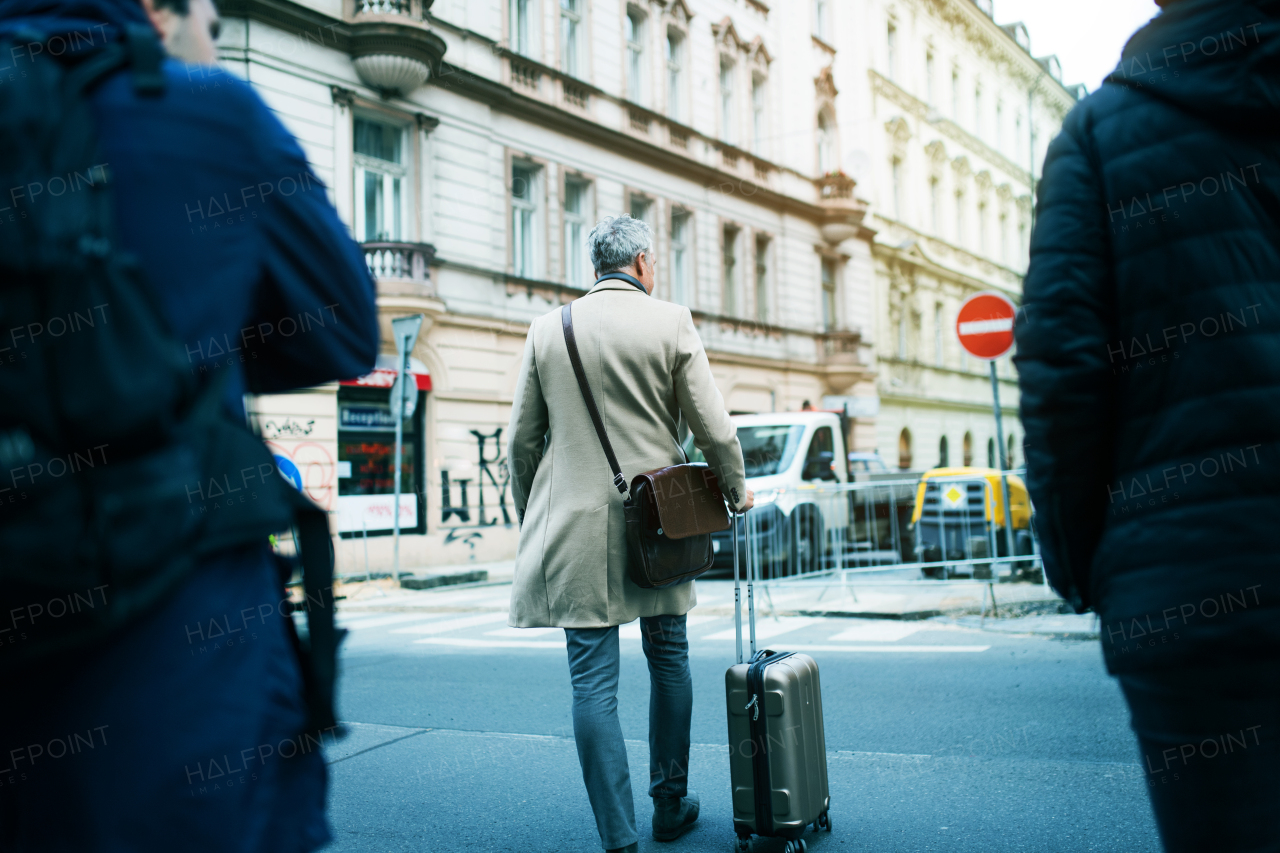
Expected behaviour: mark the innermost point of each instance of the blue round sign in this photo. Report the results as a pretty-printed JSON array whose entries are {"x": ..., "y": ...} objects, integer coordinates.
[{"x": 289, "y": 471}]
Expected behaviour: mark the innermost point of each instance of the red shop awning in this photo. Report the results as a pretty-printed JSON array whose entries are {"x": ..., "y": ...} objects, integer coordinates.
[{"x": 383, "y": 374}]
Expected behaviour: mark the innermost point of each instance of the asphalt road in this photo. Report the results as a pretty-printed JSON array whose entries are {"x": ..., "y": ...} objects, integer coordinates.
[{"x": 943, "y": 738}]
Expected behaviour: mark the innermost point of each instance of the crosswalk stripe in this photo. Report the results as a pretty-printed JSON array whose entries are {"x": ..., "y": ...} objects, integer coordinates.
[
  {"x": 356, "y": 624},
  {"x": 631, "y": 631},
  {"x": 516, "y": 633},
  {"x": 493, "y": 644},
  {"x": 452, "y": 624},
  {"x": 877, "y": 631},
  {"x": 885, "y": 648},
  {"x": 767, "y": 629}
]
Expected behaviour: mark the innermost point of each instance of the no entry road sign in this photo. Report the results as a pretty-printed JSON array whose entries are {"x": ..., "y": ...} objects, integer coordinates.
[{"x": 985, "y": 325}]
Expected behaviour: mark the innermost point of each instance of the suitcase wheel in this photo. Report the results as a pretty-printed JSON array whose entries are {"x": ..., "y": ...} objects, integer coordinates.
[
  {"x": 823, "y": 822},
  {"x": 742, "y": 845},
  {"x": 795, "y": 847}
]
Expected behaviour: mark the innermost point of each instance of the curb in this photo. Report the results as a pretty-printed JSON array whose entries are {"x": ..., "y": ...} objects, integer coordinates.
[
  {"x": 908, "y": 616},
  {"x": 432, "y": 581}
]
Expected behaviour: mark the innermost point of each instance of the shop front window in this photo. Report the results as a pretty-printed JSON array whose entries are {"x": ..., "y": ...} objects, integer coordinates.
[{"x": 366, "y": 472}]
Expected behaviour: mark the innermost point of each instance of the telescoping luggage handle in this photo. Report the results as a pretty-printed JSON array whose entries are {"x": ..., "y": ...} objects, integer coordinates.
[{"x": 741, "y": 518}]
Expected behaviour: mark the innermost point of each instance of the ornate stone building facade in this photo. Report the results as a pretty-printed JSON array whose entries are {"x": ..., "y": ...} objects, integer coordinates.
[
  {"x": 471, "y": 144},
  {"x": 953, "y": 115}
]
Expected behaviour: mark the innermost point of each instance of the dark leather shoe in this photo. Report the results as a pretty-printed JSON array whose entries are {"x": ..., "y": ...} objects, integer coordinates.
[
  {"x": 633, "y": 847},
  {"x": 674, "y": 816}
]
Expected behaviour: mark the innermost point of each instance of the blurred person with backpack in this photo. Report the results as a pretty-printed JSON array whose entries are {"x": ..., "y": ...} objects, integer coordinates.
[
  {"x": 157, "y": 241},
  {"x": 1150, "y": 376}
]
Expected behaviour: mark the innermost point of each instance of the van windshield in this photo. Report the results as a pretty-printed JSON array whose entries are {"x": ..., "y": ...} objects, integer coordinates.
[{"x": 766, "y": 449}]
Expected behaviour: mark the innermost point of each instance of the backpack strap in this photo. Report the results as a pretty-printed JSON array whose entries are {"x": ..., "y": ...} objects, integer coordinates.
[
  {"x": 566, "y": 321},
  {"x": 146, "y": 56}
]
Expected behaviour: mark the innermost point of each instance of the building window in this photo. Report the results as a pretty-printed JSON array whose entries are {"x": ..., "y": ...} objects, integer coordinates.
[
  {"x": 826, "y": 145},
  {"x": 675, "y": 78},
  {"x": 829, "y": 315},
  {"x": 524, "y": 208},
  {"x": 977, "y": 111},
  {"x": 576, "y": 218},
  {"x": 928, "y": 77},
  {"x": 960, "y": 235},
  {"x": 1023, "y": 248},
  {"x": 902, "y": 335},
  {"x": 955, "y": 95},
  {"x": 757, "y": 114},
  {"x": 729, "y": 266},
  {"x": 967, "y": 447},
  {"x": 937, "y": 334},
  {"x": 943, "y": 456},
  {"x": 762, "y": 279},
  {"x": 896, "y": 175},
  {"x": 381, "y": 181},
  {"x": 1008, "y": 457},
  {"x": 640, "y": 207},
  {"x": 982, "y": 227},
  {"x": 521, "y": 34},
  {"x": 635, "y": 56},
  {"x": 891, "y": 54},
  {"x": 999, "y": 127},
  {"x": 570, "y": 42},
  {"x": 1004, "y": 239},
  {"x": 820, "y": 11},
  {"x": 680, "y": 256},
  {"x": 904, "y": 449},
  {"x": 726, "y": 100},
  {"x": 1017, "y": 134},
  {"x": 933, "y": 205},
  {"x": 991, "y": 453}
]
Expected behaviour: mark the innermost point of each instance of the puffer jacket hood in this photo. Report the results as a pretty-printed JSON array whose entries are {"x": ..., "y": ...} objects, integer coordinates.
[
  {"x": 1219, "y": 59},
  {"x": 101, "y": 20}
]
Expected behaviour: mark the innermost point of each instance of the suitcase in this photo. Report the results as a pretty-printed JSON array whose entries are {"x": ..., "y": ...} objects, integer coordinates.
[{"x": 777, "y": 747}]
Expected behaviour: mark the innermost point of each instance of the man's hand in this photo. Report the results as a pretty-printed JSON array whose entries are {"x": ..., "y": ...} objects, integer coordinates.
[{"x": 751, "y": 501}]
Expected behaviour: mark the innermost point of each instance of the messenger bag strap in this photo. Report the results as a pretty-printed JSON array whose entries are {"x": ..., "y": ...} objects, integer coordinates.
[{"x": 566, "y": 320}]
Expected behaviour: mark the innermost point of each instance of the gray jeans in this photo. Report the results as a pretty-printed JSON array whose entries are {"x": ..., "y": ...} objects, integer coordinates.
[{"x": 593, "y": 670}]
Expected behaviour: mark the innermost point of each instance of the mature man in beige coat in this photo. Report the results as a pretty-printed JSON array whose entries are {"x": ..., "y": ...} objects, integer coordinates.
[{"x": 651, "y": 381}]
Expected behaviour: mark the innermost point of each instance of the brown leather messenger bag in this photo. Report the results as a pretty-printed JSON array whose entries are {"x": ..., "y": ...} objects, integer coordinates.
[{"x": 670, "y": 512}]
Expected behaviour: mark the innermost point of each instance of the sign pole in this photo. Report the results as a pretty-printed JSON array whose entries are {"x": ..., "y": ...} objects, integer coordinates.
[
  {"x": 402, "y": 371},
  {"x": 1004, "y": 466},
  {"x": 984, "y": 327},
  {"x": 404, "y": 400}
]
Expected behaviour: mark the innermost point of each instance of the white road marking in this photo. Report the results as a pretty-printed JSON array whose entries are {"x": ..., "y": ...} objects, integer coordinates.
[
  {"x": 493, "y": 644},
  {"x": 876, "y": 631},
  {"x": 356, "y": 624},
  {"x": 885, "y": 648},
  {"x": 453, "y": 624},
  {"x": 767, "y": 628},
  {"x": 515, "y": 633}
]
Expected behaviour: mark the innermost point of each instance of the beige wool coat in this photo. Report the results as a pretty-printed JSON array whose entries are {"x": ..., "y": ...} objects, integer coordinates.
[{"x": 649, "y": 374}]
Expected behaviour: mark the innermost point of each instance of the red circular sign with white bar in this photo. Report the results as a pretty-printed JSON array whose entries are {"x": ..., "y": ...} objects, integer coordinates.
[{"x": 985, "y": 325}]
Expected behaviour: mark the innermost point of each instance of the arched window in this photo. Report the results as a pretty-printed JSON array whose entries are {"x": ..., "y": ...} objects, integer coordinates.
[
  {"x": 1008, "y": 459},
  {"x": 991, "y": 453},
  {"x": 904, "y": 449},
  {"x": 943, "y": 460},
  {"x": 968, "y": 449}
]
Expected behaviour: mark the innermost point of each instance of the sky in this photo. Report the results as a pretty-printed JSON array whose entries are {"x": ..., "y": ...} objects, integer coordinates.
[{"x": 1086, "y": 35}]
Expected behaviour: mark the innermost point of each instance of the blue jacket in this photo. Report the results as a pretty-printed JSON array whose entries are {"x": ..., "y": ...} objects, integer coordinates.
[
  {"x": 199, "y": 703},
  {"x": 256, "y": 273},
  {"x": 1149, "y": 342}
]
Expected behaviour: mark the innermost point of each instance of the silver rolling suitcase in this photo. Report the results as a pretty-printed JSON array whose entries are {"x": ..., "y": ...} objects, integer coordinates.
[{"x": 777, "y": 747}]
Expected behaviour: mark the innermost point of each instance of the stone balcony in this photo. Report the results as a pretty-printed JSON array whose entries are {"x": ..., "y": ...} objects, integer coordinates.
[
  {"x": 403, "y": 268},
  {"x": 838, "y": 353},
  {"x": 843, "y": 211},
  {"x": 392, "y": 47}
]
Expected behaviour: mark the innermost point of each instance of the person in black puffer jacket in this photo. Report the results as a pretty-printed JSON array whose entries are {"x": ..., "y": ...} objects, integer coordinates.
[{"x": 1149, "y": 358}]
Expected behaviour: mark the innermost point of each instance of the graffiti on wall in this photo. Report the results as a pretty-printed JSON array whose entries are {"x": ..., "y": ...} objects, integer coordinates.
[
  {"x": 492, "y": 479},
  {"x": 309, "y": 466}
]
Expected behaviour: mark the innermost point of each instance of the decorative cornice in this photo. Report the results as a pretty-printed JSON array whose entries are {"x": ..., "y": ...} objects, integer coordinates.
[{"x": 892, "y": 92}]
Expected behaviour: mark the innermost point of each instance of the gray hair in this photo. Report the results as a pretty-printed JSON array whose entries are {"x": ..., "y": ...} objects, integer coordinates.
[{"x": 616, "y": 240}]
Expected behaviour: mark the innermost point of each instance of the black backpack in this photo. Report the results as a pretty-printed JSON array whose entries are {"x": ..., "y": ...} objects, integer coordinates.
[{"x": 113, "y": 456}]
